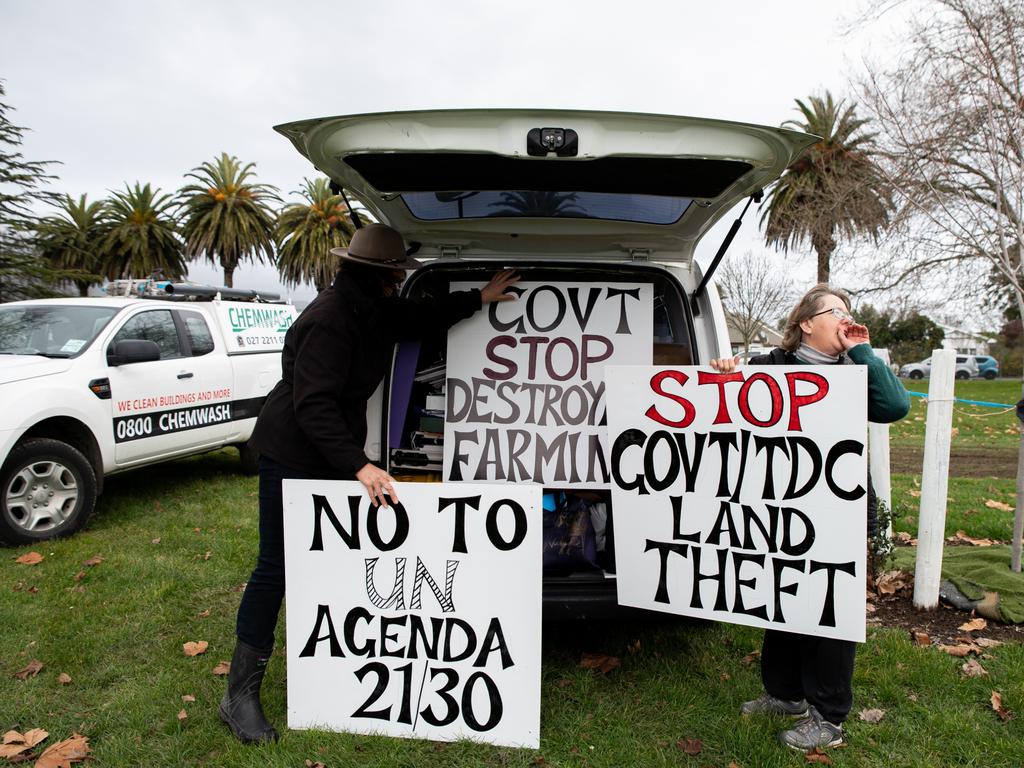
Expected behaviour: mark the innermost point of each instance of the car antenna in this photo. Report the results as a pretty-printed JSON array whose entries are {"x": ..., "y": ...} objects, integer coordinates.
[
  {"x": 754, "y": 198},
  {"x": 356, "y": 221}
]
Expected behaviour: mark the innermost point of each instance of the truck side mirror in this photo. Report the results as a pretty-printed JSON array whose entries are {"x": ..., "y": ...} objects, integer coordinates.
[{"x": 129, "y": 351}]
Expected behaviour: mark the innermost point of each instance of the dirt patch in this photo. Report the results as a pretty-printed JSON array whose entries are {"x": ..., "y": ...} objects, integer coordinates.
[
  {"x": 964, "y": 461},
  {"x": 942, "y": 625}
]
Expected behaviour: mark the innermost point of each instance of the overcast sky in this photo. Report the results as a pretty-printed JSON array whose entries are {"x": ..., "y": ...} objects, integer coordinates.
[{"x": 122, "y": 91}]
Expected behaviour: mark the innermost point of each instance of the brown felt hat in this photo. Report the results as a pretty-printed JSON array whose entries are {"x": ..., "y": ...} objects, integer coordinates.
[{"x": 377, "y": 245}]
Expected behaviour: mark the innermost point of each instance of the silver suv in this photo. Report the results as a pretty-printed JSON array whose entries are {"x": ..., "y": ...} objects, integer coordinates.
[{"x": 966, "y": 368}]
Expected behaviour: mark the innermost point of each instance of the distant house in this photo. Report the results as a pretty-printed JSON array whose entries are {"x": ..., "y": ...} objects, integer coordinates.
[
  {"x": 965, "y": 342},
  {"x": 765, "y": 339}
]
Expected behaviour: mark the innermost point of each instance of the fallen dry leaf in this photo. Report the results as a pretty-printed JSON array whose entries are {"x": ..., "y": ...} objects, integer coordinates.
[
  {"x": 973, "y": 625},
  {"x": 64, "y": 753},
  {"x": 692, "y": 747},
  {"x": 182, "y": 715},
  {"x": 973, "y": 668},
  {"x": 563, "y": 682},
  {"x": 31, "y": 558},
  {"x": 920, "y": 638},
  {"x": 204, "y": 614},
  {"x": 871, "y": 715},
  {"x": 988, "y": 642},
  {"x": 599, "y": 662},
  {"x": 750, "y": 657},
  {"x": 1002, "y": 506},
  {"x": 961, "y": 650},
  {"x": 31, "y": 670},
  {"x": 80, "y": 575},
  {"x": 915, "y": 494},
  {"x": 222, "y": 668},
  {"x": 998, "y": 708},
  {"x": 64, "y": 678},
  {"x": 725, "y": 676},
  {"x": 310, "y": 764},
  {"x": 961, "y": 537},
  {"x": 891, "y": 582},
  {"x": 15, "y": 743},
  {"x": 816, "y": 755},
  {"x": 902, "y": 537},
  {"x": 156, "y": 540},
  {"x": 194, "y": 649},
  {"x": 188, "y": 698},
  {"x": 92, "y": 561}
]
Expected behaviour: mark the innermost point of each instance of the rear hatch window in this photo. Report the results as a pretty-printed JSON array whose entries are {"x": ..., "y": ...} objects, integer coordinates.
[{"x": 479, "y": 204}]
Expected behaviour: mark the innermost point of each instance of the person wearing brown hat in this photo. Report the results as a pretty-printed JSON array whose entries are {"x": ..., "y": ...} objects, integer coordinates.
[{"x": 313, "y": 424}]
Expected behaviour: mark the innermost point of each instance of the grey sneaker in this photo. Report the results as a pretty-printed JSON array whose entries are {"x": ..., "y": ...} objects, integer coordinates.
[
  {"x": 766, "y": 704},
  {"x": 813, "y": 731}
]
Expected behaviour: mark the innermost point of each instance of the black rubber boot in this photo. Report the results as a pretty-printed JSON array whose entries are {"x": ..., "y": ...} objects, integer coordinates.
[{"x": 240, "y": 708}]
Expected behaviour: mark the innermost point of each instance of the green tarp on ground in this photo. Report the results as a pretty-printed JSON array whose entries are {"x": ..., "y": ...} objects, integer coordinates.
[{"x": 976, "y": 571}]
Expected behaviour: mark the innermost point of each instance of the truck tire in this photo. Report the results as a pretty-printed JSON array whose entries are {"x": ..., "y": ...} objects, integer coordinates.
[
  {"x": 47, "y": 490},
  {"x": 249, "y": 459}
]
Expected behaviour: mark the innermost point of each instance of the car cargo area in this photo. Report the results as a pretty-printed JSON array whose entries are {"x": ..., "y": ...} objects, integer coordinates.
[{"x": 577, "y": 583}]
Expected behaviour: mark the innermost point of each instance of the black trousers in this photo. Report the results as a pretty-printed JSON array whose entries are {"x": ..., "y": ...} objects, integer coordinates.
[
  {"x": 261, "y": 601},
  {"x": 819, "y": 669}
]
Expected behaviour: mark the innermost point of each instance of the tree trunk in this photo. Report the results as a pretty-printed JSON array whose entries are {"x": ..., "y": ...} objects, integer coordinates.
[
  {"x": 229, "y": 275},
  {"x": 824, "y": 244},
  {"x": 83, "y": 289}
]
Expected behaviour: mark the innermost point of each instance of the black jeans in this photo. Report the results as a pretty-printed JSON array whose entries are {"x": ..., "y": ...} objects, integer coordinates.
[
  {"x": 819, "y": 669},
  {"x": 261, "y": 602}
]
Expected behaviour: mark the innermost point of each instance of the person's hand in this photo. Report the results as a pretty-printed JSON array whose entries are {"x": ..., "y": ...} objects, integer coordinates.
[
  {"x": 377, "y": 483},
  {"x": 852, "y": 334},
  {"x": 725, "y": 364},
  {"x": 496, "y": 287}
]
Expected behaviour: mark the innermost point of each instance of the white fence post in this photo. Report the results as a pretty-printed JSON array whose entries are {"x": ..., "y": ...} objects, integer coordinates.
[
  {"x": 931, "y": 526},
  {"x": 878, "y": 457}
]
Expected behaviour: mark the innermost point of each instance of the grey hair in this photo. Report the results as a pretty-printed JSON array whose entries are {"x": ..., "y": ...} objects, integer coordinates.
[{"x": 805, "y": 309}]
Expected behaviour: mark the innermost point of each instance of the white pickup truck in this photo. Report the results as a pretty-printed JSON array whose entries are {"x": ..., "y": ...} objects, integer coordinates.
[{"x": 94, "y": 386}]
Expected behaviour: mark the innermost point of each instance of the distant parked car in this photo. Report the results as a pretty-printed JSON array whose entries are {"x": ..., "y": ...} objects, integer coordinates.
[
  {"x": 966, "y": 368},
  {"x": 988, "y": 366}
]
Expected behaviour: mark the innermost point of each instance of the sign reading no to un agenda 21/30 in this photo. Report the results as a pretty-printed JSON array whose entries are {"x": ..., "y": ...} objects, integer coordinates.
[
  {"x": 417, "y": 620},
  {"x": 741, "y": 497}
]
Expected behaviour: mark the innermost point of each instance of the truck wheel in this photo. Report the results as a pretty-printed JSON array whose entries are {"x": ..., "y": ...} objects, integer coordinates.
[
  {"x": 47, "y": 489},
  {"x": 916, "y": 375},
  {"x": 250, "y": 459}
]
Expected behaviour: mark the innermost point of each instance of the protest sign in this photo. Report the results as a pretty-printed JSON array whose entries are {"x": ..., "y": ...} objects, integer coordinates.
[
  {"x": 417, "y": 620},
  {"x": 525, "y": 391},
  {"x": 741, "y": 497}
]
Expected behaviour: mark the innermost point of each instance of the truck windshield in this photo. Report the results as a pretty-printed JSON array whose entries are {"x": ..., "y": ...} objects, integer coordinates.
[{"x": 51, "y": 330}]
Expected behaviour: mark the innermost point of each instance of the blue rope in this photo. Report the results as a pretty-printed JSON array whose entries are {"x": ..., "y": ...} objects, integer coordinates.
[{"x": 969, "y": 402}]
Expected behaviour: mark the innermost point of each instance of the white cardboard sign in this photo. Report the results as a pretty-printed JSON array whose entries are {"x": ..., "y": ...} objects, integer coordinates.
[
  {"x": 525, "y": 392},
  {"x": 741, "y": 497},
  {"x": 420, "y": 620}
]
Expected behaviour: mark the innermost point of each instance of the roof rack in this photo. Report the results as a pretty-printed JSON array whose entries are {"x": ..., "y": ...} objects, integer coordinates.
[{"x": 150, "y": 288}]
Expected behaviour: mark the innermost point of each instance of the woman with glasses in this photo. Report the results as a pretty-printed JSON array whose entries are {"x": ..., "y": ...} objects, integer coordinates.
[{"x": 805, "y": 676}]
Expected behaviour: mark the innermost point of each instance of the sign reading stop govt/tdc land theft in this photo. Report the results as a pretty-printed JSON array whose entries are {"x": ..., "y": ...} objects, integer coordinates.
[
  {"x": 417, "y": 620},
  {"x": 741, "y": 497},
  {"x": 525, "y": 381}
]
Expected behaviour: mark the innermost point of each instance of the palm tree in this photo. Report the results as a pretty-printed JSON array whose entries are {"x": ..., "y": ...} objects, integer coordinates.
[
  {"x": 833, "y": 190},
  {"x": 73, "y": 239},
  {"x": 142, "y": 237},
  {"x": 306, "y": 232},
  {"x": 226, "y": 218}
]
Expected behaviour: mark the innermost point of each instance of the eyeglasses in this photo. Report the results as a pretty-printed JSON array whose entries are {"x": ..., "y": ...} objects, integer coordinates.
[{"x": 838, "y": 313}]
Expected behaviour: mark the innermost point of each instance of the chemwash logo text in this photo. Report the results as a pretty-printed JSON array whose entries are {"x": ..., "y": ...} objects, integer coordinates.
[{"x": 248, "y": 318}]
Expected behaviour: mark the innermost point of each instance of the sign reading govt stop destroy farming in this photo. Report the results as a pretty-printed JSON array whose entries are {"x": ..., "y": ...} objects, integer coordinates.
[
  {"x": 525, "y": 387},
  {"x": 741, "y": 497},
  {"x": 418, "y": 620}
]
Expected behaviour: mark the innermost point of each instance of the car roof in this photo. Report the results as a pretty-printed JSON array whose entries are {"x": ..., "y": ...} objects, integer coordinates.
[{"x": 383, "y": 159}]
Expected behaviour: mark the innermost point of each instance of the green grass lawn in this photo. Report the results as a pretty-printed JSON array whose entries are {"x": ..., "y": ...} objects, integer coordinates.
[
  {"x": 171, "y": 571},
  {"x": 975, "y": 425}
]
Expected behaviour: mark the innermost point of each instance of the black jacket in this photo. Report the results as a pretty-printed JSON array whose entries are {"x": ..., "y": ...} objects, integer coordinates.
[{"x": 334, "y": 357}]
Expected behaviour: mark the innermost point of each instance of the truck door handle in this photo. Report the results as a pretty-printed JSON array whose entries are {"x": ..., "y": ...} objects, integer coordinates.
[{"x": 184, "y": 375}]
